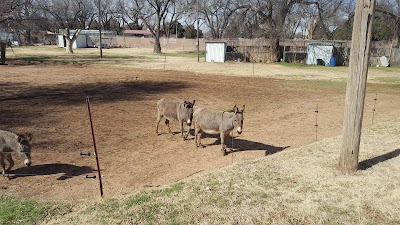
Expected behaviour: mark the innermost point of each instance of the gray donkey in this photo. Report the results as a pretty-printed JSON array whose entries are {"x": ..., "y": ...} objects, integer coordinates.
[
  {"x": 18, "y": 143},
  {"x": 217, "y": 122},
  {"x": 173, "y": 110}
]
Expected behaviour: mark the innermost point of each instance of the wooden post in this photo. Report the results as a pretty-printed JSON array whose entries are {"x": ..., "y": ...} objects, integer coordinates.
[
  {"x": 284, "y": 52},
  {"x": 356, "y": 85},
  {"x": 3, "y": 53},
  {"x": 245, "y": 53},
  {"x": 95, "y": 148}
]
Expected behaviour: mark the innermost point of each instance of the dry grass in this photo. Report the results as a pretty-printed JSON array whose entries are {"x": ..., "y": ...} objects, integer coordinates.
[
  {"x": 187, "y": 61},
  {"x": 298, "y": 186}
]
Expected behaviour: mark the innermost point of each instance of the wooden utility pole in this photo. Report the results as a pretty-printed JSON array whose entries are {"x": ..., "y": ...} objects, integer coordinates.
[
  {"x": 100, "y": 23},
  {"x": 356, "y": 85},
  {"x": 198, "y": 24}
]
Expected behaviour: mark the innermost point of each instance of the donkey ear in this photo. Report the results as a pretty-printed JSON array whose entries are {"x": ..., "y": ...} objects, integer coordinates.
[
  {"x": 235, "y": 109},
  {"x": 243, "y": 108},
  {"x": 21, "y": 138},
  {"x": 29, "y": 137},
  {"x": 194, "y": 101}
]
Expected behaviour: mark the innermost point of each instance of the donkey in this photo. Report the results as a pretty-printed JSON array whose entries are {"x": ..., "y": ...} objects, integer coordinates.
[
  {"x": 173, "y": 110},
  {"x": 18, "y": 143},
  {"x": 217, "y": 122}
]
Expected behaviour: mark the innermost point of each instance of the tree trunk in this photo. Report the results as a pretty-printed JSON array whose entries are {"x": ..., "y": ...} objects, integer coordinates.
[
  {"x": 28, "y": 37},
  {"x": 274, "y": 49},
  {"x": 395, "y": 41},
  {"x": 157, "y": 45},
  {"x": 356, "y": 85},
  {"x": 68, "y": 46},
  {"x": 69, "y": 40}
]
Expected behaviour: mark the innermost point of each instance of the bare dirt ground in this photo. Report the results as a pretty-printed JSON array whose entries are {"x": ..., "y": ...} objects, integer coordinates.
[{"x": 49, "y": 101}]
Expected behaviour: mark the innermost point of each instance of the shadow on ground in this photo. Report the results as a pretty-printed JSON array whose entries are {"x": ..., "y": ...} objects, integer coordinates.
[
  {"x": 239, "y": 145},
  {"x": 366, "y": 164},
  {"x": 67, "y": 171},
  {"x": 71, "y": 94},
  {"x": 22, "y": 105}
]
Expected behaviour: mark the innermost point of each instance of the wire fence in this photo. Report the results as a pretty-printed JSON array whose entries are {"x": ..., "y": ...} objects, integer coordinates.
[{"x": 99, "y": 176}]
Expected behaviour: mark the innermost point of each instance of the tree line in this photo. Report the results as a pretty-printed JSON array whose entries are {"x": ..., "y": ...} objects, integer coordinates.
[{"x": 270, "y": 19}]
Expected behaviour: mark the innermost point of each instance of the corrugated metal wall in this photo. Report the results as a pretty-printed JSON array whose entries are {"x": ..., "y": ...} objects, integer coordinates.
[{"x": 215, "y": 51}]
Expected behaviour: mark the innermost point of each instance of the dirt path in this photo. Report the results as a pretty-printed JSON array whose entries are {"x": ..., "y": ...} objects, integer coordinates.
[{"x": 49, "y": 101}]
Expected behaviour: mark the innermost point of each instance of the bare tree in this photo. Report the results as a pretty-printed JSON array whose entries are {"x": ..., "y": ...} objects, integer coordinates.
[
  {"x": 294, "y": 23},
  {"x": 70, "y": 40},
  {"x": 108, "y": 14},
  {"x": 155, "y": 13},
  {"x": 68, "y": 13},
  {"x": 22, "y": 18},
  {"x": 216, "y": 14},
  {"x": 322, "y": 18},
  {"x": 273, "y": 14},
  {"x": 6, "y": 9},
  {"x": 391, "y": 9}
]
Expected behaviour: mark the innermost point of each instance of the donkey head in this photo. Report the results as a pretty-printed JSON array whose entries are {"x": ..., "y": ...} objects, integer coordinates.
[
  {"x": 238, "y": 118},
  {"x": 25, "y": 148},
  {"x": 188, "y": 111}
]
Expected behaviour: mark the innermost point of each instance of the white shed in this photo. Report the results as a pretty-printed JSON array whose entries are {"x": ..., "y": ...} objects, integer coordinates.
[
  {"x": 215, "y": 51},
  {"x": 319, "y": 54},
  {"x": 80, "y": 42}
]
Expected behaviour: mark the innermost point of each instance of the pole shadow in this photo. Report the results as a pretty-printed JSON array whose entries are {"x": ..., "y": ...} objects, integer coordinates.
[
  {"x": 67, "y": 171},
  {"x": 368, "y": 163}
]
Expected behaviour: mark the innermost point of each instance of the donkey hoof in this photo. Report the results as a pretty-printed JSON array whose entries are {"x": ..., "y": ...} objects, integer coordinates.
[{"x": 223, "y": 152}]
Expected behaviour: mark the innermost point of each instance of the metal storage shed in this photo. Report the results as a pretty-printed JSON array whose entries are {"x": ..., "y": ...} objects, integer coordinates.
[
  {"x": 80, "y": 42},
  {"x": 319, "y": 54},
  {"x": 90, "y": 38},
  {"x": 215, "y": 51}
]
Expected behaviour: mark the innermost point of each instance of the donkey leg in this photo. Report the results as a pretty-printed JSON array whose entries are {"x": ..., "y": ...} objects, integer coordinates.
[
  {"x": 223, "y": 149},
  {"x": 169, "y": 129},
  {"x": 197, "y": 137},
  {"x": 2, "y": 164},
  {"x": 159, "y": 117},
  {"x": 187, "y": 132},
  {"x": 196, "y": 132},
  {"x": 185, "y": 136},
  {"x": 181, "y": 122},
  {"x": 10, "y": 162}
]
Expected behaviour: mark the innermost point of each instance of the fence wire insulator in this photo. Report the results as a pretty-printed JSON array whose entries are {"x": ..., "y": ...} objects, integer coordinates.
[
  {"x": 316, "y": 123},
  {"x": 232, "y": 150},
  {"x": 85, "y": 153},
  {"x": 374, "y": 109}
]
